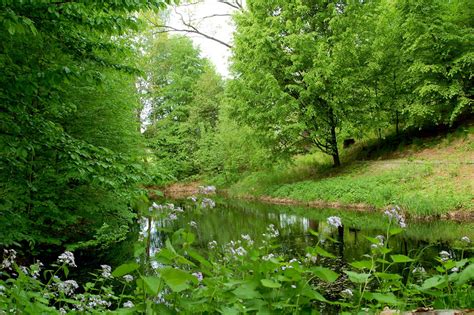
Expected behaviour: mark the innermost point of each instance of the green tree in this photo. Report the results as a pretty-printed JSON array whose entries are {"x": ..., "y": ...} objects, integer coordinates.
[
  {"x": 184, "y": 96},
  {"x": 293, "y": 64},
  {"x": 439, "y": 45},
  {"x": 68, "y": 162}
]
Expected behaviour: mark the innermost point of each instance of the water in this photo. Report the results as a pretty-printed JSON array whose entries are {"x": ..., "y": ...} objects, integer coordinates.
[{"x": 230, "y": 219}]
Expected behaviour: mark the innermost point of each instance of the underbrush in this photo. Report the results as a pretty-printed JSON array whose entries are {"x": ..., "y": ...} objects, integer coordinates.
[{"x": 245, "y": 276}]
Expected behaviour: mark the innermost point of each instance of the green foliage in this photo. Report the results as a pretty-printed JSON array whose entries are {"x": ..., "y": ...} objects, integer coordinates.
[
  {"x": 69, "y": 159},
  {"x": 247, "y": 275},
  {"x": 184, "y": 95}
]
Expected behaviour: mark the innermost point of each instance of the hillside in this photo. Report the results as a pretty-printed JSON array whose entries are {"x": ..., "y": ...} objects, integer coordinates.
[{"x": 425, "y": 176}]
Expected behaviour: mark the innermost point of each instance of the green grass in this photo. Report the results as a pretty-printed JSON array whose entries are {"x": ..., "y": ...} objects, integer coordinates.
[{"x": 410, "y": 176}]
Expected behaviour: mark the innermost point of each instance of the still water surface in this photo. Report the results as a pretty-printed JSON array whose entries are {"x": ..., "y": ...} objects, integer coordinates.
[{"x": 230, "y": 219}]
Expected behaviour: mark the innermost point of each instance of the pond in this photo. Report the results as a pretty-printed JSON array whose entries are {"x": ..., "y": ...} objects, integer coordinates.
[{"x": 231, "y": 219}]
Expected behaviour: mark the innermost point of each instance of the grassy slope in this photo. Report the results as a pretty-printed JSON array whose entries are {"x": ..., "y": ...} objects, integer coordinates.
[{"x": 429, "y": 176}]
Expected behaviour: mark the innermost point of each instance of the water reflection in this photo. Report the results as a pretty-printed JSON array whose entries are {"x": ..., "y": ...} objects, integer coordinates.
[{"x": 229, "y": 220}]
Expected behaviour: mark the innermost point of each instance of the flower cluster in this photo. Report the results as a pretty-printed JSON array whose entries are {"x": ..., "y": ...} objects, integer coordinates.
[
  {"x": 235, "y": 249},
  {"x": 198, "y": 275},
  {"x": 248, "y": 239},
  {"x": 396, "y": 215},
  {"x": 347, "y": 293},
  {"x": 9, "y": 256},
  {"x": 334, "y": 221},
  {"x": 67, "y": 258},
  {"x": 212, "y": 244},
  {"x": 67, "y": 287},
  {"x": 206, "y": 190},
  {"x": 128, "y": 278},
  {"x": 466, "y": 239},
  {"x": 444, "y": 255},
  {"x": 106, "y": 271},
  {"x": 272, "y": 232},
  {"x": 208, "y": 203},
  {"x": 380, "y": 244}
]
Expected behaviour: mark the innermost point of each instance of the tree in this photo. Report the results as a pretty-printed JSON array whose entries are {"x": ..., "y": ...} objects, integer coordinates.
[
  {"x": 291, "y": 72},
  {"x": 184, "y": 95},
  {"x": 66, "y": 76},
  {"x": 438, "y": 43}
]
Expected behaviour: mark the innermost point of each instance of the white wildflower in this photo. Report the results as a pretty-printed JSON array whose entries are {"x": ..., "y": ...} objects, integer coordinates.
[
  {"x": 193, "y": 224},
  {"x": 192, "y": 198},
  {"x": 268, "y": 257},
  {"x": 67, "y": 287},
  {"x": 248, "y": 239},
  {"x": 198, "y": 275},
  {"x": 346, "y": 293},
  {"x": 455, "y": 269},
  {"x": 9, "y": 258},
  {"x": 128, "y": 304},
  {"x": 128, "y": 278},
  {"x": 62, "y": 311},
  {"x": 395, "y": 214},
  {"x": 334, "y": 221},
  {"x": 241, "y": 251},
  {"x": 106, "y": 271},
  {"x": 272, "y": 232},
  {"x": 212, "y": 244},
  {"x": 172, "y": 216},
  {"x": 311, "y": 258},
  {"x": 465, "y": 239},
  {"x": 67, "y": 258},
  {"x": 208, "y": 203},
  {"x": 419, "y": 270},
  {"x": 206, "y": 190},
  {"x": 293, "y": 286},
  {"x": 444, "y": 255}
]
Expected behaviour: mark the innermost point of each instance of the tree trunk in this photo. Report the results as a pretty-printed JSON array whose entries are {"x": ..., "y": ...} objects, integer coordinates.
[
  {"x": 397, "y": 122},
  {"x": 335, "y": 158},
  {"x": 335, "y": 151}
]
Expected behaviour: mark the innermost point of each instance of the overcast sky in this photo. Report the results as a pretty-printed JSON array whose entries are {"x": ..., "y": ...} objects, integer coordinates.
[{"x": 219, "y": 27}]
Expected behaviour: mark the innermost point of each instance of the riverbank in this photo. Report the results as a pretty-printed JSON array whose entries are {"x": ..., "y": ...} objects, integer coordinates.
[{"x": 428, "y": 178}]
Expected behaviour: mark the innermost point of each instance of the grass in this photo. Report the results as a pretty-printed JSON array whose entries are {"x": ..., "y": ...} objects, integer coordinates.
[{"x": 424, "y": 175}]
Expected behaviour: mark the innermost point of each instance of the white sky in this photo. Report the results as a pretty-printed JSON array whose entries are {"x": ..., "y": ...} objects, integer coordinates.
[{"x": 219, "y": 27}]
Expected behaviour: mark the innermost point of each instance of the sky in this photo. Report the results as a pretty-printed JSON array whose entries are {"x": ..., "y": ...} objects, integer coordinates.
[{"x": 220, "y": 27}]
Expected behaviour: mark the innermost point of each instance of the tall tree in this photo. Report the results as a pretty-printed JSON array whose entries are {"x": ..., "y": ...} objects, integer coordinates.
[
  {"x": 66, "y": 77},
  {"x": 290, "y": 71}
]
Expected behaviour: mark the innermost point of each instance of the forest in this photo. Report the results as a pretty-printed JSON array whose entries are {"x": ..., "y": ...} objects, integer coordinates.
[{"x": 330, "y": 106}]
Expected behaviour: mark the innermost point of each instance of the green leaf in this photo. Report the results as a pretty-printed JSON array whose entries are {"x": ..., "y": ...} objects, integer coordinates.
[
  {"x": 387, "y": 298},
  {"x": 432, "y": 282},
  {"x": 324, "y": 274},
  {"x": 270, "y": 284},
  {"x": 362, "y": 264},
  {"x": 177, "y": 279},
  {"x": 357, "y": 277},
  {"x": 322, "y": 252},
  {"x": 466, "y": 275},
  {"x": 312, "y": 294},
  {"x": 125, "y": 269},
  {"x": 388, "y": 276},
  {"x": 153, "y": 285},
  {"x": 401, "y": 258},
  {"x": 247, "y": 291},
  {"x": 395, "y": 231}
]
